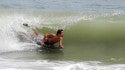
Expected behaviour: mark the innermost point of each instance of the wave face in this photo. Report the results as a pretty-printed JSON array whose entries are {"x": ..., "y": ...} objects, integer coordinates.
[
  {"x": 94, "y": 34},
  {"x": 102, "y": 28},
  {"x": 83, "y": 31}
]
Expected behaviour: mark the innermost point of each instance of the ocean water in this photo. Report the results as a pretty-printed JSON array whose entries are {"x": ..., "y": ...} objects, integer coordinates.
[{"x": 94, "y": 34}]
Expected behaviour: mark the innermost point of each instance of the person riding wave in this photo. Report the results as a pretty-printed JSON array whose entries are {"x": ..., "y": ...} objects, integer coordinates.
[{"x": 49, "y": 39}]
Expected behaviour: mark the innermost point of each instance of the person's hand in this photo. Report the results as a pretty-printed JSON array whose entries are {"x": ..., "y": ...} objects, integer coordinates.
[{"x": 61, "y": 46}]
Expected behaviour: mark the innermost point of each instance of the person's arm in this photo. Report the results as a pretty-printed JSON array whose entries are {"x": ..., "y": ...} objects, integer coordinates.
[{"x": 60, "y": 43}]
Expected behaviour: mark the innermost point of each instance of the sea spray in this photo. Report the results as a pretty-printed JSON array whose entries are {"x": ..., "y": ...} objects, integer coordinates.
[{"x": 10, "y": 27}]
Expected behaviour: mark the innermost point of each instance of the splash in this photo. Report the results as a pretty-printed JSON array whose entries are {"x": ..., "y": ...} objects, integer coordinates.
[{"x": 10, "y": 27}]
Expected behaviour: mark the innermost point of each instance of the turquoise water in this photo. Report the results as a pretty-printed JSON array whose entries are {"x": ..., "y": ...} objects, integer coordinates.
[
  {"x": 64, "y": 5},
  {"x": 94, "y": 34}
]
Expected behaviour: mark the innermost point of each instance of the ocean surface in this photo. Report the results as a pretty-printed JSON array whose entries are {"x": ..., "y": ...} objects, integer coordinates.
[{"x": 94, "y": 34}]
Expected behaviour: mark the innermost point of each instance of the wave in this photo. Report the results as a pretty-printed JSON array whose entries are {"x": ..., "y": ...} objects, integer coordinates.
[
  {"x": 83, "y": 27},
  {"x": 14, "y": 36}
]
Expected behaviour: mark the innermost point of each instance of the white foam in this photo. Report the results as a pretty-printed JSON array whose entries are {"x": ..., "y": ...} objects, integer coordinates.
[
  {"x": 90, "y": 66},
  {"x": 57, "y": 65},
  {"x": 15, "y": 69},
  {"x": 10, "y": 26}
]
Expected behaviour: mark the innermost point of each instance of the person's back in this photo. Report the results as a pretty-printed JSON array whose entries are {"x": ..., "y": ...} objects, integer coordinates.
[{"x": 51, "y": 39}]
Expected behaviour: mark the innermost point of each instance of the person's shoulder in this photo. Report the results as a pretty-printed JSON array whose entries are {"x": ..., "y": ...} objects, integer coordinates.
[{"x": 52, "y": 34}]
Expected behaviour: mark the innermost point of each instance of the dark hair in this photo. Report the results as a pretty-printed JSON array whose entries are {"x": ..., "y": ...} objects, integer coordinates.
[{"x": 59, "y": 31}]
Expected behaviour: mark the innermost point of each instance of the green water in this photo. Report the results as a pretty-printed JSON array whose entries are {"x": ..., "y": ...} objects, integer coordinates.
[{"x": 99, "y": 39}]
